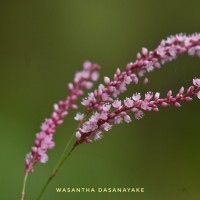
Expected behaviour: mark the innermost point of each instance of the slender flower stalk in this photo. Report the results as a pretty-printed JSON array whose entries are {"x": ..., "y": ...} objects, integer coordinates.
[
  {"x": 44, "y": 139},
  {"x": 56, "y": 169}
]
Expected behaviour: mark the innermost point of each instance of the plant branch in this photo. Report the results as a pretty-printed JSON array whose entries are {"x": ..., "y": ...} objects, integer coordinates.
[
  {"x": 57, "y": 168},
  {"x": 24, "y": 186}
]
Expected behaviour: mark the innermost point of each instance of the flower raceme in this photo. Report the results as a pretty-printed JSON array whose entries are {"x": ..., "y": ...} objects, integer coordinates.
[
  {"x": 103, "y": 98},
  {"x": 102, "y": 105},
  {"x": 44, "y": 139},
  {"x": 118, "y": 111},
  {"x": 104, "y": 109},
  {"x": 146, "y": 62}
]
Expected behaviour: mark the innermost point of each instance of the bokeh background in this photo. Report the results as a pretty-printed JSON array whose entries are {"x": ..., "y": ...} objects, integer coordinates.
[{"x": 42, "y": 44}]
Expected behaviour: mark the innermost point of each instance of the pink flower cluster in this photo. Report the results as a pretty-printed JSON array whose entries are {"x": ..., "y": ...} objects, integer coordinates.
[
  {"x": 146, "y": 61},
  {"x": 104, "y": 98},
  {"x": 103, "y": 109},
  {"x": 118, "y": 111},
  {"x": 44, "y": 139}
]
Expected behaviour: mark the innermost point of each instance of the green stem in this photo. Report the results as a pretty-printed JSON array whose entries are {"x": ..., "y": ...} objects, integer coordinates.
[
  {"x": 63, "y": 158},
  {"x": 66, "y": 148},
  {"x": 24, "y": 186},
  {"x": 58, "y": 166}
]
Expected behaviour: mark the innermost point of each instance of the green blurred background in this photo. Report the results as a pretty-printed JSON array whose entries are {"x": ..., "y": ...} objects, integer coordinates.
[{"x": 42, "y": 44}]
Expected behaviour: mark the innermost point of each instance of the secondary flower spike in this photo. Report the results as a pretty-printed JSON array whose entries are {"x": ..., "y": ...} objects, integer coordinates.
[
  {"x": 94, "y": 127},
  {"x": 145, "y": 62},
  {"x": 44, "y": 139}
]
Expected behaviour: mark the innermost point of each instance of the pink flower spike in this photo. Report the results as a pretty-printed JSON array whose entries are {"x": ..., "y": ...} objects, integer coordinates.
[{"x": 44, "y": 139}]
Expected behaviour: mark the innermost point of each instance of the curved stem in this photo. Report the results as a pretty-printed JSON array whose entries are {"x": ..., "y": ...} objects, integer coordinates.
[
  {"x": 66, "y": 148},
  {"x": 24, "y": 186},
  {"x": 57, "y": 168},
  {"x": 62, "y": 159}
]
